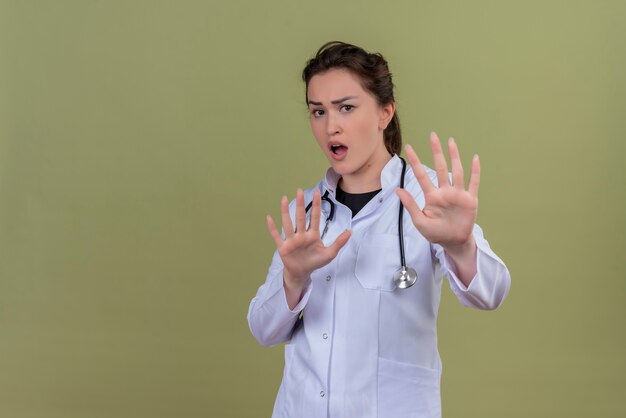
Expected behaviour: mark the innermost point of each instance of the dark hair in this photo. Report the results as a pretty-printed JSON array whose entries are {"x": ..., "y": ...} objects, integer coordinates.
[{"x": 372, "y": 71}]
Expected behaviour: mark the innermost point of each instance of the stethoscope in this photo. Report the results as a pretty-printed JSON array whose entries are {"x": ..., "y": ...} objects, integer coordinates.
[{"x": 405, "y": 276}]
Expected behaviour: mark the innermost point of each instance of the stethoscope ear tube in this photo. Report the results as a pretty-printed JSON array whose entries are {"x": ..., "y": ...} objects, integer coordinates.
[
  {"x": 332, "y": 206},
  {"x": 330, "y": 216}
]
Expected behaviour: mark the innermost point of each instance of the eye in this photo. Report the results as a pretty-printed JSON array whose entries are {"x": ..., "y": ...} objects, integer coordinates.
[
  {"x": 316, "y": 113},
  {"x": 346, "y": 108}
]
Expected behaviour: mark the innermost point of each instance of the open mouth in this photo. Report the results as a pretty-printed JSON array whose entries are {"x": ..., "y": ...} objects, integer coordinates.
[{"x": 338, "y": 149}]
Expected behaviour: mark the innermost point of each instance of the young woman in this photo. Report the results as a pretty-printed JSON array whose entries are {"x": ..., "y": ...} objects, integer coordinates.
[{"x": 361, "y": 329}]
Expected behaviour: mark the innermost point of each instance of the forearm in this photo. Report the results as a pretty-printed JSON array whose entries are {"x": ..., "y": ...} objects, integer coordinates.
[
  {"x": 294, "y": 288},
  {"x": 464, "y": 258},
  {"x": 270, "y": 317},
  {"x": 487, "y": 285}
]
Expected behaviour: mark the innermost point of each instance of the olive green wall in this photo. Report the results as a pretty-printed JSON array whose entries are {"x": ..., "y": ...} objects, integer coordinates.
[{"x": 142, "y": 143}]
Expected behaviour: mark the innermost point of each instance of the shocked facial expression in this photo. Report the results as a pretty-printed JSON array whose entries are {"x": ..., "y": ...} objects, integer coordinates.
[{"x": 348, "y": 123}]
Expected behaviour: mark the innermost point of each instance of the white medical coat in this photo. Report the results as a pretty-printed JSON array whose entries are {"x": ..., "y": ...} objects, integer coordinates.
[{"x": 364, "y": 348}]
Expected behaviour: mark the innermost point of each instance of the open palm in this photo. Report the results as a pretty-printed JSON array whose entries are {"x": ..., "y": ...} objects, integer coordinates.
[
  {"x": 302, "y": 250},
  {"x": 450, "y": 210}
]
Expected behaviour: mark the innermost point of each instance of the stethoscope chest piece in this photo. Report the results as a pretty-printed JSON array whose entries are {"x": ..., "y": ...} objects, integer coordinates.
[{"x": 405, "y": 277}]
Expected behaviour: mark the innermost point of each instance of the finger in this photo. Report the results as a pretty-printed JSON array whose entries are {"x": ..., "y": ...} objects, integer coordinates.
[
  {"x": 286, "y": 218},
  {"x": 271, "y": 226},
  {"x": 411, "y": 206},
  {"x": 339, "y": 243},
  {"x": 458, "y": 181},
  {"x": 418, "y": 169},
  {"x": 440, "y": 161},
  {"x": 474, "y": 180},
  {"x": 300, "y": 212},
  {"x": 314, "y": 224}
]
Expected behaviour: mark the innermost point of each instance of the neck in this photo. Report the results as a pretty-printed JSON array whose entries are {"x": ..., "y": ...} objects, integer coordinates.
[{"x": 367, "y": 179}]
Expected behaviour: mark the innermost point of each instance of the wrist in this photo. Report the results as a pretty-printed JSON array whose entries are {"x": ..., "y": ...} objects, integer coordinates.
[
  {"x": 463, "y": 250},
  {"x": 294, "y": 288},
  {"x": 294, "y": 280},
  {"x": 464, "y": 258}
]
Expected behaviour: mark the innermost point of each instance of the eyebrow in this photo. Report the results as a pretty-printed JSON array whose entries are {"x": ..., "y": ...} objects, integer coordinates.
[{"x": 336, "y": 101}]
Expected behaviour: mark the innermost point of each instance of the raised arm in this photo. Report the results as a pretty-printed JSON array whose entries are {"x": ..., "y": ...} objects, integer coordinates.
[
  {"x": 302, "y": 250},
  {"x": 299, "y": 251},
  {"x": 450, "y": 210}
]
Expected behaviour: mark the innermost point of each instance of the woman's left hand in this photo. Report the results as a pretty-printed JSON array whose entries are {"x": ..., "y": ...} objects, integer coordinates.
[{"x": 450, "y": 210}]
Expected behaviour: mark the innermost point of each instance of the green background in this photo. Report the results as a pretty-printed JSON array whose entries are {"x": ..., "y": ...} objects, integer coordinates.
[{"x": 142, "y": 143}]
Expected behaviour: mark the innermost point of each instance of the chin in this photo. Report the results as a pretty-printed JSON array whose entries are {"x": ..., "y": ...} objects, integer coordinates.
[{"x": 340, "y": 167}]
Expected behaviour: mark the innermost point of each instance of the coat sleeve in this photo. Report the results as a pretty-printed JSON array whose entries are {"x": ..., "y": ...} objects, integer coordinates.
[
  {"x": 492, "y": 282},
  {"x": 269, "y": 317}
]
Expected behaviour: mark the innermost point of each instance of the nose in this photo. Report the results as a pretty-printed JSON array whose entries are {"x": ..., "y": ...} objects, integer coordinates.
[{"x": 332, "y": 124}]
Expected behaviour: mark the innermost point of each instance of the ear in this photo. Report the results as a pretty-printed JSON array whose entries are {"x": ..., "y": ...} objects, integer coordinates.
[{"x": 386, "y": 113}]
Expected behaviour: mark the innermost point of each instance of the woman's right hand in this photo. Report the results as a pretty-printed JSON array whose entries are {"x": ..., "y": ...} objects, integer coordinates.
[{"x": 302, "y": 250}]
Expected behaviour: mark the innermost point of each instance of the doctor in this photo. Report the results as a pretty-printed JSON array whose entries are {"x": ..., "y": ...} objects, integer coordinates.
[{"x": 357, "y": 344}]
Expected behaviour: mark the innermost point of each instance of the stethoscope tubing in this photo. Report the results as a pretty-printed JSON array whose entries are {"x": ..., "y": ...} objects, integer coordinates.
[{"x": 400, "y": 217}]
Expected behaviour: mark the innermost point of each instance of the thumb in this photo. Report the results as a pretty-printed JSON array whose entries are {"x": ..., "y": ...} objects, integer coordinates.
[
  {"x": 340, "y": 242},
  {"x": 417, "y": 216}
]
